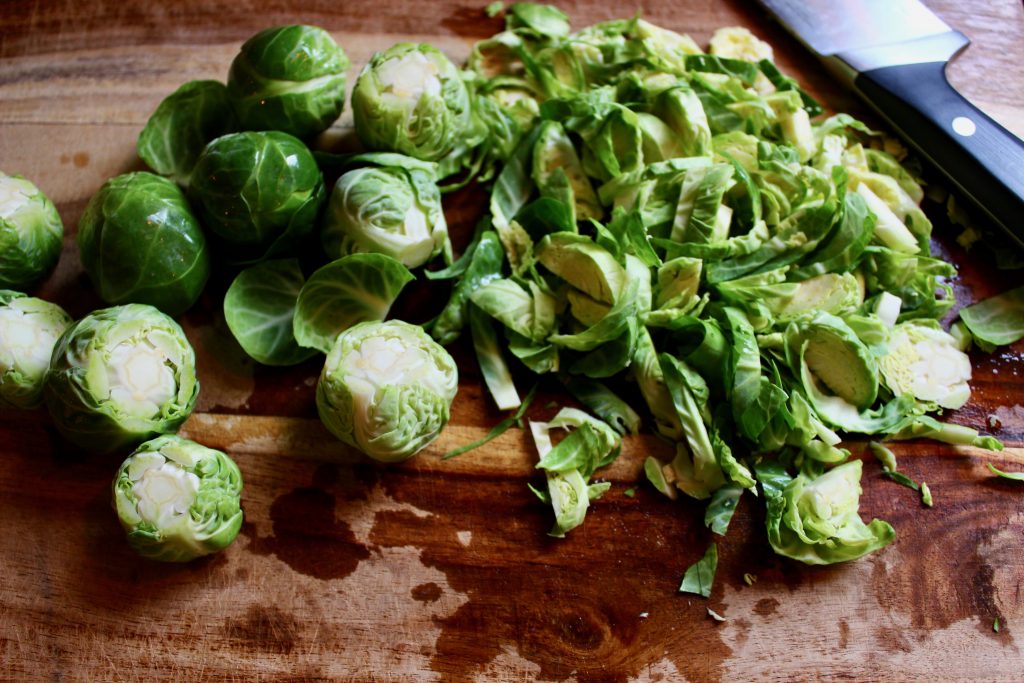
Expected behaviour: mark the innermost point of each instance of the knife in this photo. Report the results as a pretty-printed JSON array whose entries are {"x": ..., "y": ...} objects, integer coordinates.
[{"x": 893, "y": 53}]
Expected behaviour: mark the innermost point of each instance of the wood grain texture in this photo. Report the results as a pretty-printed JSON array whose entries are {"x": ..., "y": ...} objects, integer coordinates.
[{"x": 441, "y": 570}]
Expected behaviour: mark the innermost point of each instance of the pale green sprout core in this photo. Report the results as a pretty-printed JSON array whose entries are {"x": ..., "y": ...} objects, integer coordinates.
[
  {"x": 926, "y": 362},
  {"x": 138, "y": 378},
  {"x": 408, "y": 78},
  {"x": 178, "y": 500}
]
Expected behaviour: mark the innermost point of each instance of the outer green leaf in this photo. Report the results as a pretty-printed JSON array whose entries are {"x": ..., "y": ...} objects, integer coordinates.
[
  {"x": 353, "y": 289},
  {"x": 259, "y": 308},
  {"x": 492, "y": 364},
  {"x": 997, "y": 321},
  {"x": 484, "y": 266}
]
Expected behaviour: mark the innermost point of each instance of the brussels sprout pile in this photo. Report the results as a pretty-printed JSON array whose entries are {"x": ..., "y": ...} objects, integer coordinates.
[{"x": 682, "y": 220}]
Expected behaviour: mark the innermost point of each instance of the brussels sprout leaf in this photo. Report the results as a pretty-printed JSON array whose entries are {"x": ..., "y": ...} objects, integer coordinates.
[
  {"x": 350, "y": 290},
  {"x": 1015, "y": 476},
  {"x": 997, "y": 321},
  {"x": 259, "y": 307},
  {"x": 721, "y": 508}
]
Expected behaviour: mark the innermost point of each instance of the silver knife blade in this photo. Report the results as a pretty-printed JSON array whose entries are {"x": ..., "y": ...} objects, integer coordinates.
[{"x": 831, "y": 27}]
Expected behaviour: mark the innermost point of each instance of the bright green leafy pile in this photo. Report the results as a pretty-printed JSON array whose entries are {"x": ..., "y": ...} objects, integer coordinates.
[{"x": 690, "y": 222}]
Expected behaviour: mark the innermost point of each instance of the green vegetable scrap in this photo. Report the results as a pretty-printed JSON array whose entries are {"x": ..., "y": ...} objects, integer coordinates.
[
  {"x": 590, "y": 445},
  {"x": 178, "y": 500},
  {"x": 31, "y": 234},
  {"x": 353, "y": 289},
  {"x": 29, "y": 329},
  {"x": 140, "y": 243},
  {"x": 926, "y": 495},
  {"x": 120, "y": 376},
  {"x": 814, "y": 519},
  {"x": 997, "y": 321},
  {"x": 700, "y": 575},
  {"x": 1014, "y": 476}
]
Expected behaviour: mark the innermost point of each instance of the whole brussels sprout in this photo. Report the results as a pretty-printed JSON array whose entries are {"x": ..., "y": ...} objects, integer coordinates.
[
  {"x": 259, "y": 192},
  {"x": 29, "y": 328},
  {"x": 31, "y": 234},
  {"x": 289, "y": 78},
  {"x": 140, "y": 243},
  {"x": 178, "y": 500},
  {"x": 411, "y": 99},
  {"x": 387, "y": 389},
  {"x": 120, "y": 376},
  {"x": 393, "y": 210}
]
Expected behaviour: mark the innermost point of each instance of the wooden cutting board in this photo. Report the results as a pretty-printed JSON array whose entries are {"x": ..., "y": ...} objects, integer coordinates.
[{"x": 431, "y": 570}]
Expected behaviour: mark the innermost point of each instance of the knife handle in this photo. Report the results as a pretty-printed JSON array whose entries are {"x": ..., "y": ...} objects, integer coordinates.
[{"x": 977, "y": 155}]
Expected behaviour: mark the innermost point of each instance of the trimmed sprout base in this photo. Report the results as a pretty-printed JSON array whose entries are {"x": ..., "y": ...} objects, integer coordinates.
[
  {"x": 119, "y": 376},
  {"x": 386, "y": 389},
  {"x": 178, "y": 500},
  {"x": 29, "y": 328}
]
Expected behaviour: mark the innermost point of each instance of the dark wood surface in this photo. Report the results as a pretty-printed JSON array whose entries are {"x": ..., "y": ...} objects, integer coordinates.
[{"x": 347, "y": 570}]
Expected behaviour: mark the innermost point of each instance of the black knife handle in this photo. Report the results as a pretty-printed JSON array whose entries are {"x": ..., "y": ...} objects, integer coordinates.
[{"x": 986, "y": 165}]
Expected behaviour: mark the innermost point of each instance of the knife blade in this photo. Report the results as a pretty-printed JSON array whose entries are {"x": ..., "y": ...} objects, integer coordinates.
[{"x": 894, "y": 53}]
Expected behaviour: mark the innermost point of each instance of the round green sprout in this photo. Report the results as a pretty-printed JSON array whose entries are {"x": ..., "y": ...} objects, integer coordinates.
[
  {"x": 411, "y": 99},
  {"x": 140, "y": 243},
  {"x": 259, "y": 193},
  {"x": 289, "y": 78},
  {"x": 386, "y": 211},
  {"x": 387, "y": 389},
  {"x": 29, "y": 328},
  {"x": 178, "y": 500},
  {"x": 120, "y": 376},
  {"x": 31, "y": 234}
]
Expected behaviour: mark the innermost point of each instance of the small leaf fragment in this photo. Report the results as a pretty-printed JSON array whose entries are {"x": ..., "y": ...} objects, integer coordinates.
[
  {"x": 1015, "y": 476},
  {"x": 701, "y": 574}
]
